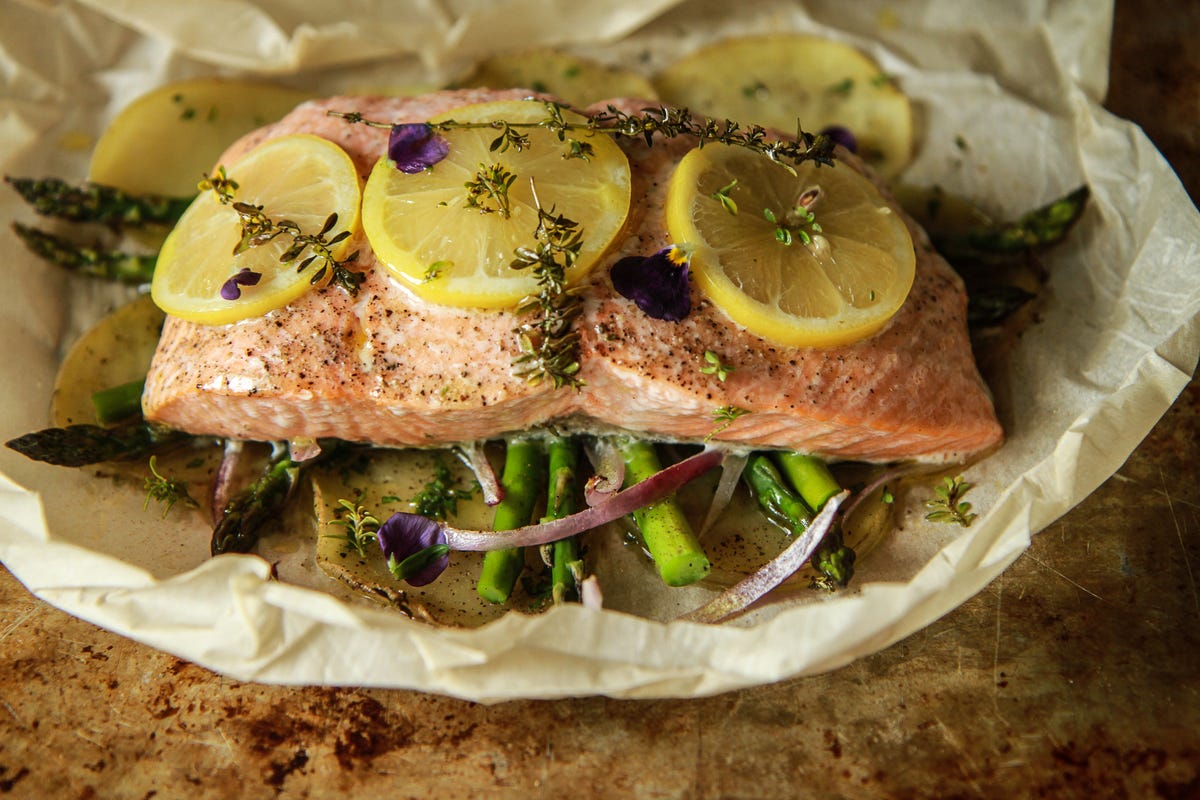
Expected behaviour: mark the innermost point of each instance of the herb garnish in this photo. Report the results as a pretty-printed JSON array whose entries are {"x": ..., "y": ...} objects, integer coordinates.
[
  {"x": 259, "y": 229},
  {"x": 439, "y": 499},
  {"x": 360, "y": 526},
  {"x": 167, "y": 491},
  {"x": 549, "y": 348},
  {"x": 724, "y": 417},
  {"x": 949, "y": 505},
  {"x": 714, "y": 366},
  {"x": 665, "y": 121},
  {"x": 488, "y": 191}
]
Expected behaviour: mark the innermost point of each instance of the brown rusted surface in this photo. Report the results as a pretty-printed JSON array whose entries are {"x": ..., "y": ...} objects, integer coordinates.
[{"x": 1074, "y": 674}]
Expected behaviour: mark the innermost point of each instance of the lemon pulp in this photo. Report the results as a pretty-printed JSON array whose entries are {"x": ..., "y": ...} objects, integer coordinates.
[
  {"x": 845, "y": 273},
  {"x": 423, "y": 231},
  {"x": 301, "y": 178}
]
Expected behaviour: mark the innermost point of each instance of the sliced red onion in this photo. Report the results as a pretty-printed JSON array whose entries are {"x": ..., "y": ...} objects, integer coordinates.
[
  {"x": 731, "y": 473},
  {"x": 616, "y": 506},
  {"x": 475, "y": 457},
  {"x": 608, "y": 468},
  {"x": 753, "y": 587},
  {"x": 222, "y": 487}
]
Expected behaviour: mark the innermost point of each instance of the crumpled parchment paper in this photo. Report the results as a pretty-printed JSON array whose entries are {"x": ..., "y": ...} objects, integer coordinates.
[{"x": 1009, "y": 99}]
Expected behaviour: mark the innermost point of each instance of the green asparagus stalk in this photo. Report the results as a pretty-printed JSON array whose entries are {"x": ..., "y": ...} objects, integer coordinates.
[
  {"x": 245, "y": 515},
  {"x": 93, "y": 202},
  {"x": 521, "y": 480},
  {"x": 1040, "y": 228},
  {"x": 120, "y": 402},
  {"x": 127, "y": 268},
  {"x": 561, "y": 502},
  {"x": 795, "y": 505},
  {"x": 665, "y": 530},
  {"x": 81, "y": 445},
  {"x": 811, "y": 478}
]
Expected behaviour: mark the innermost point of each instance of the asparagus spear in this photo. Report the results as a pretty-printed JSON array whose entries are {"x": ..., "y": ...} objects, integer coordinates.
[
  {"x": 793, "y": 507},
  {"x": 94, "y": 202},
  {"x": 991, "y": 305},
  {"x": 243, "y": 518},
  {"x": 119, "y": 402},
  {"x": 811, "y": 478},
  {"x": 81, "y": 445},
  {"x": 523, "y": 466},
  {"x": 1042, "y": 227},
  {"x": 665, "y": 530},
  {"x": 560, "y": 502},
  {"x": 123, "y": 267}
]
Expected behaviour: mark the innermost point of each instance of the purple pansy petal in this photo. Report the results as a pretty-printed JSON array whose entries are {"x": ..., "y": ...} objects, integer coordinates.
[
  {"x": 232, "y": 288},
  {"x": 843, "y": 136},
  {"x": 657, "y": 284},
  {"x": 404, "y": 534},
  {"x": 415, "y": 147}
]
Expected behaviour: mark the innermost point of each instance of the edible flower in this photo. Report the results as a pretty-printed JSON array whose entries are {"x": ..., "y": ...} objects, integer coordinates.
[
  {"x": 414, "y": 147},
  {"x": 657, "y": 284},
  {"x": 843, "y": 136},
  {"x": 415, "y": 548},
  {"x": 232, "y": 288}
]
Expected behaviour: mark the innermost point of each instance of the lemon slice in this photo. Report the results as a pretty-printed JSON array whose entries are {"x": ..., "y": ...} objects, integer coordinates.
[
  {"x": 846, "y": 271},
  {"x": 447, "y": 252},
  {"x": 302, "y": 178},
  {"x": 165, "y": 140},
  {"x": 779, "y": 80}
]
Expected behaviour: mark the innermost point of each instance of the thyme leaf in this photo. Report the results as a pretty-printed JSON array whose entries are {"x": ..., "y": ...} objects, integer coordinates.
[{"x": 360, "y": 526}]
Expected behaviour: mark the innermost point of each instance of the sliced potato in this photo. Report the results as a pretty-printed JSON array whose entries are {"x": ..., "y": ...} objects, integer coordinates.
[
  {"x": 164, "y": 141},
  {"x": 578, "y": 81},
  {"x": 779, "y": 80},
  {"x": 117, "y": 350},
  {"x": 382, "y": 482}
]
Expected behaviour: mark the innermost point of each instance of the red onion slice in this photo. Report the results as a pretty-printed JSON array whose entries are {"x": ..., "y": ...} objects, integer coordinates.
[
  {"x": 609, "y": 469},
  {"x": 616, "y": 506},
  {"x": 753, "y": 587},
  {"x": 731, "y": 473},
  {"x": 222, "y": 487},
  {"x": 475, "y": 457}
]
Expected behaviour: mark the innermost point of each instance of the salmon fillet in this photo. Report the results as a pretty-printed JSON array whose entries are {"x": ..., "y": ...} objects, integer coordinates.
[{"x": 387, "y": 368}]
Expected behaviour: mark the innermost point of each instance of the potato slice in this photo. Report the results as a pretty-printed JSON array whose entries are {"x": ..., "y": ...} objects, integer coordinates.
[
  {"x": 163, "y": 142},
  {"x": 578, "y": 81},
  {"x": 382, "y": 482},
  {"x": 779, "y": 80},
  {"x": 115, "y": 351}
]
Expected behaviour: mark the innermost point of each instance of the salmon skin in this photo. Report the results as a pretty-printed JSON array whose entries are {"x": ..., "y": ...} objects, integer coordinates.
[{"x": 386, "y": 368}]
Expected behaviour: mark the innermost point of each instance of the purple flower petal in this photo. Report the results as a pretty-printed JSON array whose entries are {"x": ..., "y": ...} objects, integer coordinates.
[
  {"x": 403, "y": 535},
  {"x": 843, "y": 136},
  {"x": 657, "y": 284},
  {"x": 415, "y": 147},
  {"x": 232, "y": 288}
]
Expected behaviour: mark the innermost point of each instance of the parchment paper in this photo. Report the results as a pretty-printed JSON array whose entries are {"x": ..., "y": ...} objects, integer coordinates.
[{"x": 1009, "y": 98}]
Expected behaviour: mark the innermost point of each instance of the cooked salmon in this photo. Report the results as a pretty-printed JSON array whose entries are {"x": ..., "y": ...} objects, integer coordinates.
[{"x": 388, "y": 368}]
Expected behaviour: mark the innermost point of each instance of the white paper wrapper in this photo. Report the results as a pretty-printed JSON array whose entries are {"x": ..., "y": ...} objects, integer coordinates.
[{"x": 1020, "y": 84}]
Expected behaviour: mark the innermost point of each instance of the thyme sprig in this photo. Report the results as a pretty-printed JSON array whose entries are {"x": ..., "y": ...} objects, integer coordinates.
[
  {"x": 487, "y": 192},
  {"x": 549, "y": 346},
  {"x": 258, "y": 228},
  {"x": 663, "y": 121},
  {"x": 360, "y": 526},
  {"x": 167, "y": 491},
  {"x": 949, "y": 506},
  {"x": 724, "y": 417}
]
